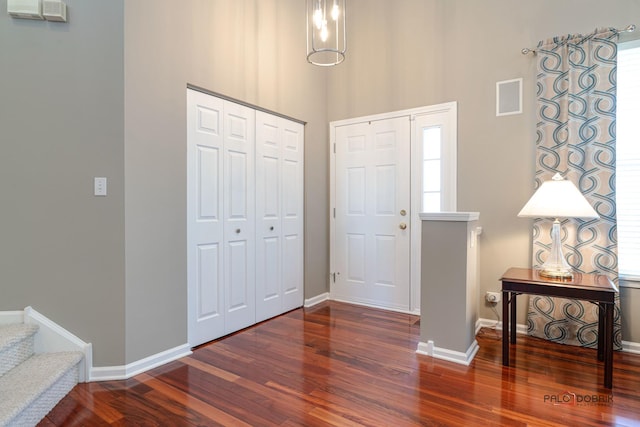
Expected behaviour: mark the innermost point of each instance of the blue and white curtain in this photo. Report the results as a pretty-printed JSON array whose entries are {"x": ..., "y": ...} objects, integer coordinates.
[{"x": 576, "y": 136}]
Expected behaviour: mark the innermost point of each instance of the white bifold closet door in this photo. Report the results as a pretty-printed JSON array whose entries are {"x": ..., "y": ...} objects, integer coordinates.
[
  {"x": 239, "y": 216},
  {"x": 279, "y": 207},
  {"x": 244, "y": 216},
  {"x": 221, "y": 217}
]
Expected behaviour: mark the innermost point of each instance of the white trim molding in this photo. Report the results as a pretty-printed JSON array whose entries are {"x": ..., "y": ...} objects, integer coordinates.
[
  {"x": 310, "y": 302},
  {"x": 123, "y": 372},
  {"x": 497, "y": 325},
  {"x": 9, "y": 317},
  {"x": 450, "y": 216},
  {"x": 429, "y": 349},
  {"x": 52, "y": 338},
  {"x": 631, "y": 347},
  {"x": 379, "y": 307}
]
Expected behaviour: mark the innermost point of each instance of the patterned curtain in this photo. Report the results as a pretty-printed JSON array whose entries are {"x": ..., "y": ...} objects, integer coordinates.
[{"x": 576, "y": 94}]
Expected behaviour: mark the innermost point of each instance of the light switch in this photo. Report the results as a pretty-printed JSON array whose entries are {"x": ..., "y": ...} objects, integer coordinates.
[
  {"x": 25, "y": 9},
  {"x": 99, "y": 186}
]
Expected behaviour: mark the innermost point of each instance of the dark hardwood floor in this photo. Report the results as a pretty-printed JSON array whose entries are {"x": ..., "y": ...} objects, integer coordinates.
[{"x": 344, "y": 365}]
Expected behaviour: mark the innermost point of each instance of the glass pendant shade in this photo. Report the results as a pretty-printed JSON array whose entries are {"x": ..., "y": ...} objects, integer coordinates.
[
  {"x": 326, "y": 32},
  {"x": 557, "y": 198}
]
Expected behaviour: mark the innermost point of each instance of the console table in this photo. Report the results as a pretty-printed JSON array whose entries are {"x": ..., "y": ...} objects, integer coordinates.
[{"x": 594, "y": 288}]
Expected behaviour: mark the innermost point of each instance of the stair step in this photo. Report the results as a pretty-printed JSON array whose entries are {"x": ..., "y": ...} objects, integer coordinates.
[
  {"x": 16, "y": 345},
  {"x": 33, "y": 388}
]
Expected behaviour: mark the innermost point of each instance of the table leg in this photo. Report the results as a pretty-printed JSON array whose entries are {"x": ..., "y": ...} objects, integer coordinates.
[
  {"x": 514, "y": 322},
  {"x": 608, "y": 346},
  {"x": 505, "y": 328},
  {"x": 601, "y": 311}
]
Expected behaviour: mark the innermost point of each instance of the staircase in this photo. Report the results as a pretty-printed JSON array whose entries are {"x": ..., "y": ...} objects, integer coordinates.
[{"x": 32, "y": 384}]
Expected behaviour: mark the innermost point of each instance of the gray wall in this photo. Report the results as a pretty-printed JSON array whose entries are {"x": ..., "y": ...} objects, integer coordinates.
[
  {"x": 428, "y": 52},
  {"x": 61, "y": 124}
]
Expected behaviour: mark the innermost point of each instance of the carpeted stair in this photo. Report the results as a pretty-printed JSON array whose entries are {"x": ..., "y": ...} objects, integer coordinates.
[{"x": 31, "y": 384}]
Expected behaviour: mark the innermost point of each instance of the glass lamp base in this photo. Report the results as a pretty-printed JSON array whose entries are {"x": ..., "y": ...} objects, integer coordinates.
[
  {"x": 558, "y": 274},
  {"x": 556, "y": 266}
]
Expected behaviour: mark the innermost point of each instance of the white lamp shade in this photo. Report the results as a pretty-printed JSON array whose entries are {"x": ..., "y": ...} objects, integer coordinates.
[{"x": 558, "y": 198}]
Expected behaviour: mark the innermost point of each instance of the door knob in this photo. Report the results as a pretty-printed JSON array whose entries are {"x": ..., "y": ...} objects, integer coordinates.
[
  {"x": 403, "y": 212},
  {"x": 403, "y": 226}
]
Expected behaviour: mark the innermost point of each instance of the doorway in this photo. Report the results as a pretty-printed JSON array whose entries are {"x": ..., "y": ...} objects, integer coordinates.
[{"x": 385, "y": 170}]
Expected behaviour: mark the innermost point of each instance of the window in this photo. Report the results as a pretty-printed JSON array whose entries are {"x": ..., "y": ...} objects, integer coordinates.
[
  {"x": 431, "y": 165},
  {"x": 435, "y": 164},
  {"x": 628, "y": 160}
]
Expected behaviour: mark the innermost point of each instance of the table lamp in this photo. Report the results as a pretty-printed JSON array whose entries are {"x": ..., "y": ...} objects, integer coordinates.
[{"x": 557, "y": 198}]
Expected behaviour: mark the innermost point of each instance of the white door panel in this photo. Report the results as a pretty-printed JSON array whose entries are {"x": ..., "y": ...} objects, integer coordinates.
[
  {"x": 268, "y": 215},
  {"x": 239, "y": 218},
  {"x": 279, "y": 207},
  {"x": 238, "y": 279},
  {"x": 372, "y": 189},
  {"x": 292, "y": 207},
  {"x": 204, "y": 212},
  {"x": 292, "y": 272},
  {"x": 271, "y": 268}
]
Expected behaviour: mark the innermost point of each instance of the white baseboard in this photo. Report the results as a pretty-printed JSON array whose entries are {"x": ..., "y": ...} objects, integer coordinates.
[
  {"x": 52, "y": 337},
  {"x": 327, "y": 296},
  {"x": 497, "y": 325},
  {"x": 631, "y": 347},
  {"x": 316, "y": 300},
  {"x": 627, "y": 346},
  {"x": 370, "y": 305},
  {"x": 9, "y": 317},
  {"x": 429, "y": 349},
  {"x": 109, "y": 373}
]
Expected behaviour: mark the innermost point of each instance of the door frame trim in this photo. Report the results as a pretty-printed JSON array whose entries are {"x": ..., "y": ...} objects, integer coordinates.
[{"x": 450, "y": 164}]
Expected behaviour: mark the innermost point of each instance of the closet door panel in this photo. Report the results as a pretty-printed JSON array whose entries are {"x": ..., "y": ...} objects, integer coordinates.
[
  {"x": 268, "y": 216},
  {"x": 239, "y": 216},
  {"x": 205, "y": 290},
  {"x": 292, "y": 214}
]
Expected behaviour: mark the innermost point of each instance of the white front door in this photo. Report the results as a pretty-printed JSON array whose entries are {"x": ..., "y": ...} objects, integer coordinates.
[{"x": 372, "y": 213}]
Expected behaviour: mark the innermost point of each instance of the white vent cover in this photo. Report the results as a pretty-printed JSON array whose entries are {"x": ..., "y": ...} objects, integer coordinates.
[
  {"x": 25, "y": 9},
  {"x": 509, "y": 97},
  {"x": 54, "y": 10}
]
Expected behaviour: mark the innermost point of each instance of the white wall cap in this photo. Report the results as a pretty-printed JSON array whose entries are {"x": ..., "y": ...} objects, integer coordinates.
[{"x": 450, "y": 216}]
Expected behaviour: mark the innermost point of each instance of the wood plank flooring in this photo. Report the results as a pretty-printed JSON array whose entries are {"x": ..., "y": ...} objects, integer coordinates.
[{"x": 337, "y": 364}]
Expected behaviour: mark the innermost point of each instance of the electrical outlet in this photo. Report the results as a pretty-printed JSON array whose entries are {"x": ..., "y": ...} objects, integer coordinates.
[{"x": 492, "y": 297}]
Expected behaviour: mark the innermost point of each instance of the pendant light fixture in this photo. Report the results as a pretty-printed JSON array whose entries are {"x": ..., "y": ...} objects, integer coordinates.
[{"x": 326, "y": 32}]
